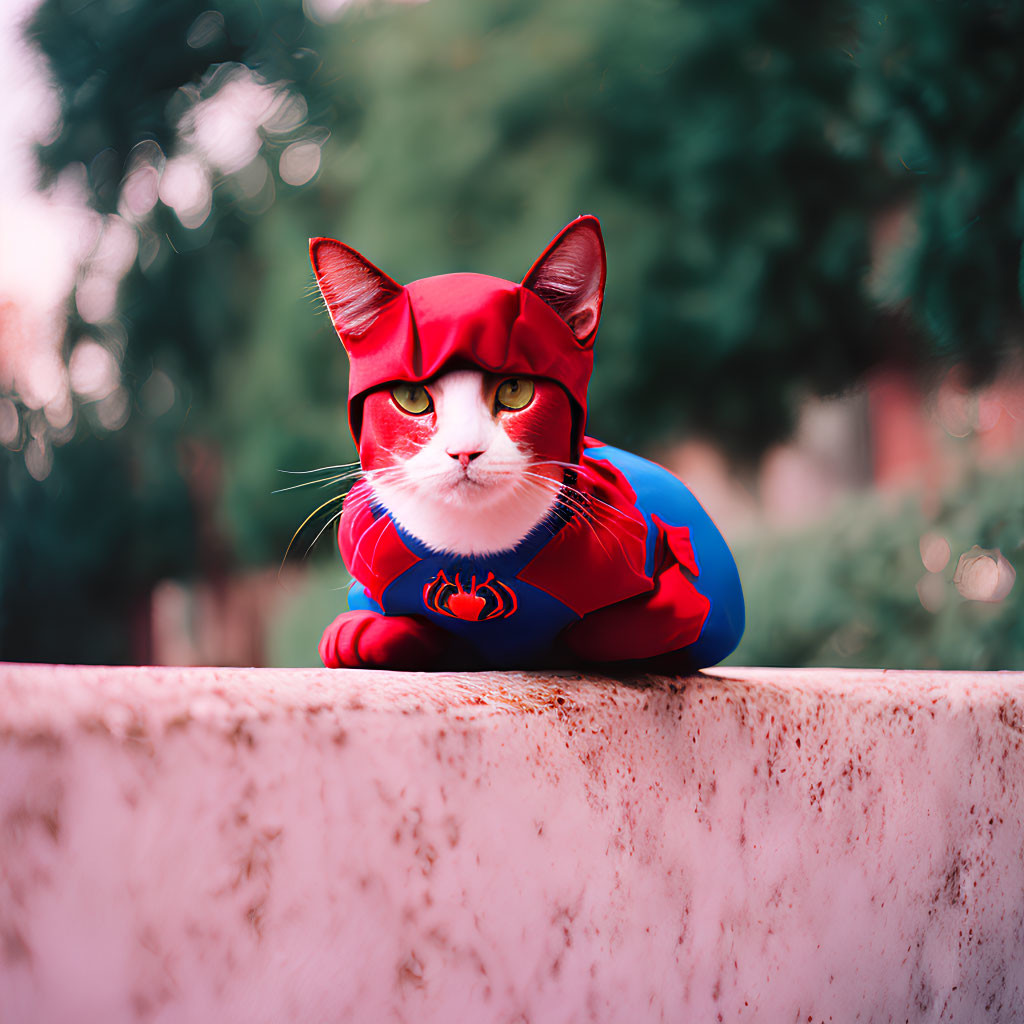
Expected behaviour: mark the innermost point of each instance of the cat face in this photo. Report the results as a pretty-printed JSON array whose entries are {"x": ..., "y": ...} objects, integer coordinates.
[{"x": 469, "y": 462}]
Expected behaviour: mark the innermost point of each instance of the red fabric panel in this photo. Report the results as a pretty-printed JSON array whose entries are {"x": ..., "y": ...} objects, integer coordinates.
[
  {"x": 473, "y": 319},
  {"x": 668, "y": 618},
  {"x": 598, "y": 558},
  {"x": 371, "y": 548},
  {"x": 678, "y": 539}
]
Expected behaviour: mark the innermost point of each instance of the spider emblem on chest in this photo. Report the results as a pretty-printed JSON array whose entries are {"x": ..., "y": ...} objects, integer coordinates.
[{"x": 476, "y": 602}]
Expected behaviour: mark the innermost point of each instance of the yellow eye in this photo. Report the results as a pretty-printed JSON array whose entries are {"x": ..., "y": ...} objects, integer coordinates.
[
  {"x": 515, "y": 393},
  {"x": 413, "y": 398}
]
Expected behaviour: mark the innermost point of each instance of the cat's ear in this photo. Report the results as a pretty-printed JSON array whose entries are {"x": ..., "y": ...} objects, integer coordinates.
[
  {"x": 353, "y": 288},
  {"x": 570, "y": 275}
]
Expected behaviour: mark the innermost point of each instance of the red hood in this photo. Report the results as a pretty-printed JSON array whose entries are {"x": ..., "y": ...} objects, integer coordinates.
[
  {"x": 544, "y": 327},
  {"x": 468, "y": 319}
]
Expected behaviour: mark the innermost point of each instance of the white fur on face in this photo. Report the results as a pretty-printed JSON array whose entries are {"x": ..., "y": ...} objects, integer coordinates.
[{"x": 468, "y": 490}]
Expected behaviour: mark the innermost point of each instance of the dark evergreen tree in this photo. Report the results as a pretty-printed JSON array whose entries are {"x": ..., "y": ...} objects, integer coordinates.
[
  {"x": 80, "y": 551},
  {"x": 939, "y": 92}
]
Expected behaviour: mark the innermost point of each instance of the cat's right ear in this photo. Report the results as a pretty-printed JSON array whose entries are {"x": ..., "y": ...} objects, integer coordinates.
[
  {"x": 570, "y": 274},
  {"x": 353, "y": 288}
]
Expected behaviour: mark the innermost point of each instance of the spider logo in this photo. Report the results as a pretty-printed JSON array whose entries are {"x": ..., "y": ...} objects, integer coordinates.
[{"x": 490, "y": 599}]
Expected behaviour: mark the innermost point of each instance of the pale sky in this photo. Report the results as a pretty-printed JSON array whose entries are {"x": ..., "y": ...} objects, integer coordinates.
[
  {"x": 43, "y": 238},
  {"x": 37, "y": 234}
]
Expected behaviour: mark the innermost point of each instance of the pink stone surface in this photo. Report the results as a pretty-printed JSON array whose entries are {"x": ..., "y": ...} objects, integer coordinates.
[{"x": 230, "y": 845}]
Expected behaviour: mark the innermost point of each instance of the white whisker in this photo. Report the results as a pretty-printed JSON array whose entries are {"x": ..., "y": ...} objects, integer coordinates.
[
  {"x": 323, "y": 482},
  {"x": 580, "y": 507},
  {"x": 320, "y": 469},
  {"x": 334, "y": 518}
]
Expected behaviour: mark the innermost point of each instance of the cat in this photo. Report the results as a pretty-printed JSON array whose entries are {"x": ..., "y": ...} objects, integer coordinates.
[{"x": 487, "y": 529}]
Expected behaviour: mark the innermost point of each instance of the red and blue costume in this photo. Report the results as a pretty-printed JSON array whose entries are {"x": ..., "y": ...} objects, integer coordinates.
[
  {"x": 629, "y": 567},
  {"x": 651, "y": 577}
]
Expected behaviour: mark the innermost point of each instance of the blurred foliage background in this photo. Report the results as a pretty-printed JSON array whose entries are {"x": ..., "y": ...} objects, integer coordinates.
[{"x": 792, "y": 195}]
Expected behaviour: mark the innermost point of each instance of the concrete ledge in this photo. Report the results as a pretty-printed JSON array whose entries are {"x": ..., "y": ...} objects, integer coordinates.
[{"x": 258, "y": 845}]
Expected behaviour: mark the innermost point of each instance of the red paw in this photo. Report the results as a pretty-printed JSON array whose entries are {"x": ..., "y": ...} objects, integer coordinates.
[{"x": 363, "y": 639}]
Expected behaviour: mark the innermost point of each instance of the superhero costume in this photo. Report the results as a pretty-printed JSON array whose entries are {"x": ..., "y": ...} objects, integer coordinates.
[
  {"x": 628, "y": 567},
  {"x": 510, "y": 608}
]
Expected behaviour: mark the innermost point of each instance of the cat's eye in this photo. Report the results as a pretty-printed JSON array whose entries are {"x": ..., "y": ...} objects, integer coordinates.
[
  {"x": 413, "y": 398},
  {"x": 515, "y": 393}
]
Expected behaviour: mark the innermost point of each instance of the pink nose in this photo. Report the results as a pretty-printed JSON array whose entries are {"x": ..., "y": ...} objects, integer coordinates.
[{"x": 465, "y": 458}]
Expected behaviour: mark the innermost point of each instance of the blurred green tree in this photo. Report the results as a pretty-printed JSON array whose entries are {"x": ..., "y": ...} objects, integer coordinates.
[
  {"x": 738, "y": 154},
  {"x": 715, "y": 142},
  {"x": 939, "y": 92}
]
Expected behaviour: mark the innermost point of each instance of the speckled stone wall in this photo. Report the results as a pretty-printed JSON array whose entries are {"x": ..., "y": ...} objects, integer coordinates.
[{"x": 193, "y": 845}]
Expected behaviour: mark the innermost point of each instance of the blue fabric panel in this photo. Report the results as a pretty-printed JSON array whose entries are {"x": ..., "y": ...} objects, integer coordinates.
[
  {"x": 360, "y": 601},
  {"x": 526, "y": 638},
  {"x": 662, "y": 494}
]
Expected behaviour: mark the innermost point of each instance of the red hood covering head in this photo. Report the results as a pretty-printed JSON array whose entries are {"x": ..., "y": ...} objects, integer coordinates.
[{"x": 544, "y": 327}]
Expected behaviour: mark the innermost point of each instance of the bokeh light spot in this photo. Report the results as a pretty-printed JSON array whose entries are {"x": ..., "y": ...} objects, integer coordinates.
[
  {"x": 93, "y": 370},
  {"x": 226, "y": 127},
  {"x": 934, "y": 551},
  {"x": 207, "y": 28},
  {"x": 983, "y": 575},
  {"x": 299, "y": 162},
  {"x": 185, "y": 187},
  {"x": 955, "y": 406},
  {"x": 59, "y": 411},
  {"x": 990, "y": 408},
  {"x": 10, "y": 423},
  {"x": 932, "y": 592},
  {"x": 96, "y": 298},
  {"x": 289, "y": 112},
  {"x": 157, "y": 394},
  {"x": 113, "y": 410},
  {"x": 139, "y": 192},
  {"x": 38, "y": 458}
]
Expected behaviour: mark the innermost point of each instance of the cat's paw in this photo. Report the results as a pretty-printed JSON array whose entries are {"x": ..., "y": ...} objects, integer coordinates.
[{"x": 363, "y": 639}]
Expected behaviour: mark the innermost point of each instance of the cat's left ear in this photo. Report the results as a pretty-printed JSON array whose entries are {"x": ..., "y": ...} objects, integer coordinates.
[{"x": 570, "y": 276}]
